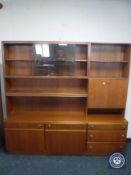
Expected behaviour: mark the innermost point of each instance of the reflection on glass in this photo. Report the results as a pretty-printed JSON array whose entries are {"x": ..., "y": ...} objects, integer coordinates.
[{"x": 42, "y": 49}]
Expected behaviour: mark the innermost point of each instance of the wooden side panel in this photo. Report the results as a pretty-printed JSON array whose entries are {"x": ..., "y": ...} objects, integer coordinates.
[
  {"x": 25, "y": 141},
  {"x": 107, "y": 93}
]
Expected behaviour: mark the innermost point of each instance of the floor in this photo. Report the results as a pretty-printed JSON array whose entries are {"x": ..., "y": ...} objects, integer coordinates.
[{"x": 60, "y": 165}]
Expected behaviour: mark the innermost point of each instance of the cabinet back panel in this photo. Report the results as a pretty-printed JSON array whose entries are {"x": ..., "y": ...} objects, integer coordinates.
[
  {"x": 29, "y": 68},
  {"x": 109, "y": 52},
  {"x": 18, "y": 68},
  {"x": 46, "y": 104},
  {"x": 109, "y": 70},
  {"x": 18, "y": 51},
  {"x": 46, "y": 84}
]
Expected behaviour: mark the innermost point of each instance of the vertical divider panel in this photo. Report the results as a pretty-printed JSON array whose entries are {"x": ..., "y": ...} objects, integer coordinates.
[{"x": 88, "y": 73}]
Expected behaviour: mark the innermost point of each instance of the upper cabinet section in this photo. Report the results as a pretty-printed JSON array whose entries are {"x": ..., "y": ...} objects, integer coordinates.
[
  {"x": 109, "y": 60},
  {"x": 43, "y": 59},
  {"x": 109, "y": 53}
]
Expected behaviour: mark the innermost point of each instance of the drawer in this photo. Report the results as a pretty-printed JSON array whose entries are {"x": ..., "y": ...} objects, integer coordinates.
[
  {"x": 51, "y": 126},
  {"x": 23, "y": 125},
  {"x": 106, "y": 136},
  {"x": 105, "y": 126},
  {"x": 104, "y": 148}
]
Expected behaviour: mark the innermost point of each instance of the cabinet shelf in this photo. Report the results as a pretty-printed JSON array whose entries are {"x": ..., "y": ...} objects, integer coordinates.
[
  {"x": 110, "y": 61},
  {"x": 40, "y": 93},
  {"x": 44, "y": 77},
  {"x": 112, "y": 78},
  {"x": 75, "y": 60},
  {"x": 57, "y": 117}
]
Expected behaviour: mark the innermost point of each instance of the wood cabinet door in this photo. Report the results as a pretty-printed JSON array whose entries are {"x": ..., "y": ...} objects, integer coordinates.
[
  {"x": 29, "y": 141},
  {"x": 107, "y": 93},
  {"x": 62, "y": 140}
]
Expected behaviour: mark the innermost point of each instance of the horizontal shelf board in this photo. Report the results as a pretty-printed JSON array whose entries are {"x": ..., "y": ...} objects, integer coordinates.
[
  {"x": 46, "y": 77},
  {"x": 63, "y": 117},
  {"x": 112, "y": 61},
  {"x": 115, "y": 78},
  {"x": 57, "y": 117},
  {"x": 40, "y": 93},
  {"x": 77, "y": 60}
]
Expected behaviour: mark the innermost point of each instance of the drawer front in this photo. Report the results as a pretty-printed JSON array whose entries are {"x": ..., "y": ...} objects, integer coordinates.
[
  {"x": 51, "y": 126},
  {"x": 106, "y": 136},
  {"x": 23, "y": 125},
  {"x": 94, "y": 126},
  {"x": 104, "y": 148}
]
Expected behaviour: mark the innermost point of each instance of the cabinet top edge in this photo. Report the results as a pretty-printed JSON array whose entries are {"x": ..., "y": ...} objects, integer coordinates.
[{"x": 64, "y": 42}]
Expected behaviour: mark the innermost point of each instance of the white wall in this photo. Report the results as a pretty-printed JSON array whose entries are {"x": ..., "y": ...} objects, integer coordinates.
[{"x": 70, "y": 20}]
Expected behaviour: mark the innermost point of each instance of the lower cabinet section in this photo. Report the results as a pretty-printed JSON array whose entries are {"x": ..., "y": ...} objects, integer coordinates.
[
  {"x": 62, "y": 139},
  {"x": 66, "y": 139},
  {"x": 104, "y": 148},
  {"x": 25, "y": 141}
]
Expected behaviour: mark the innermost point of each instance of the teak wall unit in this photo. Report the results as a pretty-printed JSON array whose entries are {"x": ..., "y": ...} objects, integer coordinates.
[{"x": 65, "y": 98}]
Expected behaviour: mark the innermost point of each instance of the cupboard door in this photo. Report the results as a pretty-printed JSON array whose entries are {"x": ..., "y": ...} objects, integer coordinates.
[
  {"x": 107, "y": 93},
  {"x": 65, "y": 141},
  {"x": 29, "y": 141}
]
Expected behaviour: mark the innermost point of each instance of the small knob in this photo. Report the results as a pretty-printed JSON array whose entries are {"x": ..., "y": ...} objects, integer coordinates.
[
  {"x": 49, "y": 125},
  {"x": 121, "y": 146},
  {"x": 91, "y": 135},
  {"x": 122, "y": 135},
  {"x": 103, "y": 83}
]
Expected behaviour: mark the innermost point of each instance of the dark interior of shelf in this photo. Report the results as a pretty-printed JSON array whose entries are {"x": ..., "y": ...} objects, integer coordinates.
[{"x": 105, "y": 111}]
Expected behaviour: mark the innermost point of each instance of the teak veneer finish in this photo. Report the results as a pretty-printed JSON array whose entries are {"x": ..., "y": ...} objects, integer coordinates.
[{"x": 69, "y": 103}]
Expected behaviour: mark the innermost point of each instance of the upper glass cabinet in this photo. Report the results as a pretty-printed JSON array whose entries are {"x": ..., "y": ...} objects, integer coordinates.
[{"x": 42, "y": 59}]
